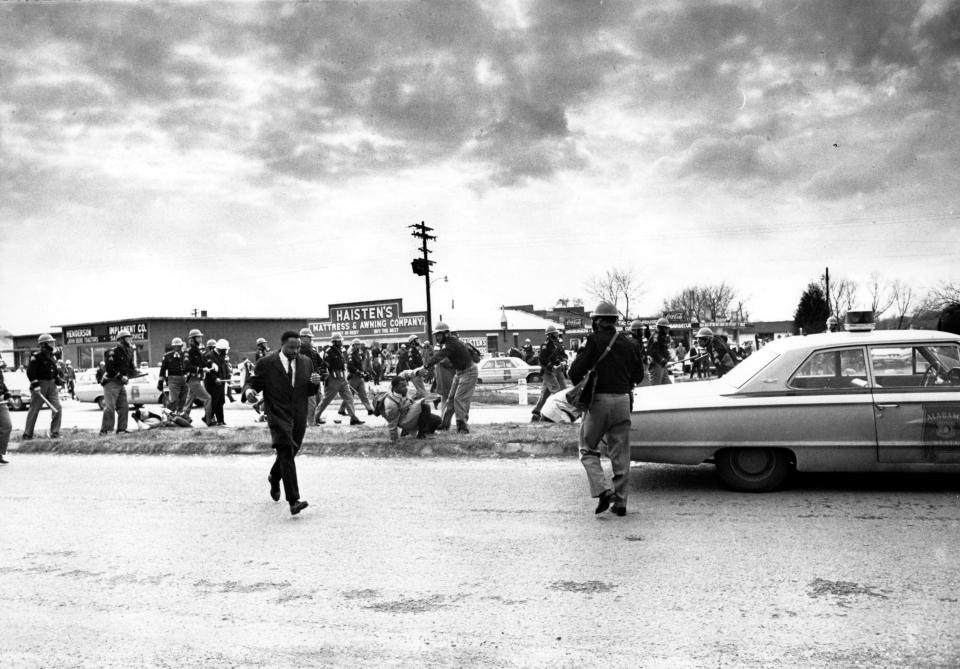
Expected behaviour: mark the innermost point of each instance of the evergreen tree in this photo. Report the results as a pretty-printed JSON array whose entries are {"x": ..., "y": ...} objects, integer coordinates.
[{"x": 812, "y": 313}]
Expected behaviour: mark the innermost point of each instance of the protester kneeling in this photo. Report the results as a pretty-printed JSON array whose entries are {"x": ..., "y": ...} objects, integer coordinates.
[{"x": 404, "y": 415}]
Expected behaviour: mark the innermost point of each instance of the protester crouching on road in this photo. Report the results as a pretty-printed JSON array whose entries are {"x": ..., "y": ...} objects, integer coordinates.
[
  {"x": 195, "y": 367},
  {"x": 658, "y": 350},
  {"x": 336, "y": 383},
  {"x": 171, "y": 376},
  {"x": 407, "y": 415},
  {"x": 607, "y": 418},
  {"x": 287, "y": 380},
  {"x": 551, "y": 358},
  {"x": 319, "y": 366},
  {"x": 120, "y": 368},
  {"x": 6, "y": 426},
  {"x": 356, "y": 376},
  {"x": 716, "y": 351},
  {"x": 45, "y": 382},
  {"x": 464, "y": 378}
]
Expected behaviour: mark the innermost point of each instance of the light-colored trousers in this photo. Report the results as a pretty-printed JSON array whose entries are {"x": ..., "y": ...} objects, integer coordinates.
[
  {"x": 333, "y": 387},
  {"x": 553, "y": 381},
  {"x": 461, "y": 392},
  {"x": 607, "y": 419},
  {"x": 51, "y": 391},
  {"x": 114, "y": 406},
  {"x": 196, "y": 391},
  {"x": 176, "y": 393},
  {"x": 6, "y": 426}
]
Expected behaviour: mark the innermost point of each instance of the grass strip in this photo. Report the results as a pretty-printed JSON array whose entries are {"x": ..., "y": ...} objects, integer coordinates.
[{"x": 501, "y": 440}]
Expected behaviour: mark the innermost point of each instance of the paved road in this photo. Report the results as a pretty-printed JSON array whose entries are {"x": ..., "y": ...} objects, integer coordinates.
[{"x": 126, "y": 561}]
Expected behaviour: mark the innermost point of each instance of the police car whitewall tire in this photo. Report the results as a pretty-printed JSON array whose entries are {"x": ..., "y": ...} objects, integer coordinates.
[
  {"x": 534, "y": 378},
  {"x": 753, "y": 469}
]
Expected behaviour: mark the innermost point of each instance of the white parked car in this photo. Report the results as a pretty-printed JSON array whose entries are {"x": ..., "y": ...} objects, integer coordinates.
[
  {"x": 18, "y": 385},
  {"x": 140, "y": 390},
  {"x": 507, "y": 370}
]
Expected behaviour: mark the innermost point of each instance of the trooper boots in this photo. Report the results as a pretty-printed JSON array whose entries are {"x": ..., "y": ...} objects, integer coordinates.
[{"x": 462, "y": 427}]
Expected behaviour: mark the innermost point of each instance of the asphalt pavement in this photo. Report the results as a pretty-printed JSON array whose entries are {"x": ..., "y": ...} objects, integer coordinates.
[{"x": 175, "y": 561}]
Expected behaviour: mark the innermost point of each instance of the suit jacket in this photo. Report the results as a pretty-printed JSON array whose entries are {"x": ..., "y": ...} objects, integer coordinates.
[{"x": 285, "y": 405}]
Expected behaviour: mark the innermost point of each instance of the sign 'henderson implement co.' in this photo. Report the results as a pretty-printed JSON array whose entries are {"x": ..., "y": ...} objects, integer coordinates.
[{"x": 370, "y": 319}]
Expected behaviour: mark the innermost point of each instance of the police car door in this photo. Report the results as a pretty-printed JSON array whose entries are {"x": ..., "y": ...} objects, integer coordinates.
[{"x": 916, "y": 398}]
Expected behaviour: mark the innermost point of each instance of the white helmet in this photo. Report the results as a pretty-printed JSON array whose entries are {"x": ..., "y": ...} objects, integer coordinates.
[
  {"x": 176, "y": 342},
  {"x": 223, "y": 344},
  {"x": 336, "y": 336}
]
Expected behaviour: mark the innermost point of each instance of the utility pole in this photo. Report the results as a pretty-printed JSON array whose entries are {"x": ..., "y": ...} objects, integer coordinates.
[
  {"x": 826, "y": 279},
  {"x": 421, "y": 267}
]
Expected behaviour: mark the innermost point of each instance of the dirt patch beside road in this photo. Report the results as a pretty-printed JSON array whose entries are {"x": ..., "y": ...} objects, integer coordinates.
[{"x": 506, "y": 440}]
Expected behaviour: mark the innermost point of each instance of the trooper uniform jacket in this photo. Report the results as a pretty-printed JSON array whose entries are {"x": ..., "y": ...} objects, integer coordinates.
[
  {"x": 119, "y": 363},
  {"x": 43, "y": 367},
  {"x": 551, "y": 354},
  {"x": 355, "y": 363},
  {"x": 658, "y": 349},
  {"x": 620, "y": 369},
  {"x": 172, "y": 364},
  {"x": 318, "y": 365},
  {"x": 414, "y": 357},
  {"x": 194, "y": 362},
  {"x": 261, "y": 352},
  {"x": 335, "y": 362}
]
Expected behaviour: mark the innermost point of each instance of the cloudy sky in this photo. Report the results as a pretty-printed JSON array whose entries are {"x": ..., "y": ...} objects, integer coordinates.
[{"x": 266, "y": 159}]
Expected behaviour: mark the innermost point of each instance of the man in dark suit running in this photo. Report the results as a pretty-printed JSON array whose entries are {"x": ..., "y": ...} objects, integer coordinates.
[{"x": 287, "y": 380}]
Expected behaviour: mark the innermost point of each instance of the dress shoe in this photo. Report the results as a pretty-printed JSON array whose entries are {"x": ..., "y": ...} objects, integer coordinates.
[
  {"x": 342, "y": 412},
  {"x": 54, "y": 436},
  {"x": 104, "y": 433},
  {"x": 297, "y": 507},
  {"x": 604, "y": 502},
  {"x": 356, "y": 421},
  {"x": 618, "y": 510},
  {"x": 535, "y": 418},
  {"x": 274, "y": 488},
  {"x": 321, "y": 421},
  {"x": 4, "y": 462},
  {"x": 28, "y": 437},
  {"x": 462, "y": 427}
]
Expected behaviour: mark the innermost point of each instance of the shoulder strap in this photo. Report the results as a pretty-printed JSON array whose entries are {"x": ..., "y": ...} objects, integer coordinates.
[{"x": 606, "y": 350}]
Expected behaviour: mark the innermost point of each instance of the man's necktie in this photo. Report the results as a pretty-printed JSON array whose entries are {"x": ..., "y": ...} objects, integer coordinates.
[{"x": 290, "y": 370}]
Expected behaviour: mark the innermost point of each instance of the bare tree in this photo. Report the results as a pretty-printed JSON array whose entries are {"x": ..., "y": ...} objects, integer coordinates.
[
  {"x": 944, "y": 293},
  {"x": 843, "y": 295},
  {"x": 704, "y": 302},
  {"x": 618, "y": 286},
  {"x": 567, "y": 302},
  {"x": 903, "y": 299},
  {"x": 880, "y": 295}
]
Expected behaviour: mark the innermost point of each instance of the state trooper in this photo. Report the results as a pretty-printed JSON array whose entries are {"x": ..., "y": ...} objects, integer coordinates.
[
  {"x": 529, "y": 355},
  {"x": 307, "y": 349},
  {"x": 120, "y": 368},
  {"x": 45, "y": 382},
  {"x": 262, "y": 349},
  {"x": 464, "y": 377},
  {"x": 194, "y": 368},
  {"x": 658, "y": 351},
  {"x": 716, "y": 351},
  {"x": 357, "y": 377},
  {"x": 217, "y": 378},
  {"x": 336, "y": 383},
  {"x": 414, "y": 361},
  {"x": 171, "y": 375},
  {"x": 618, "y": 367},
  {"x": 6, "y": 426},
  {"x": 551, "y": 358}
]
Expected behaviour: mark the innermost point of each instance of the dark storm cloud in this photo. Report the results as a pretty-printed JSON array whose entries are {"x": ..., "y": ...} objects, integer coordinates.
[{"x": 356, "y": 88}]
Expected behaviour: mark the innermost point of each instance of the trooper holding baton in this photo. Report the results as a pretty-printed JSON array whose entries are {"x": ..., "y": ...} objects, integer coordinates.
[
  {"x": 45, "y": 382},
  {"x": 120, "y": 368}
]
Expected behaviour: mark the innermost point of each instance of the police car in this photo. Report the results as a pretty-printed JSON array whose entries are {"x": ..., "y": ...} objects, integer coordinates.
[
  {"x": 140, "y": 390},
  {"x": 506, "y": 370},
  {"x": 860, "y": 400}
]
